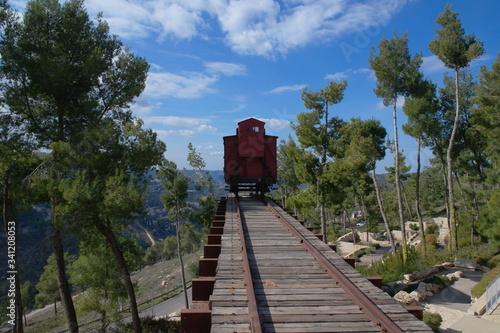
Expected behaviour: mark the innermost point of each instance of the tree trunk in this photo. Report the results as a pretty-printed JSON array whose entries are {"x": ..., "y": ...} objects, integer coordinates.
[
  {"x": 382, "y": 210},
  {"x": 398, "y": 184},
  {"x": 179, "y": 253},
  {"x": 344, "y": 217},
  {"x": 103, "y": 321},
  {"x": 449, "y": 160},
  {"x": 365, "y": 214},
  {"x": 62, "y": 282},
  {"x": 407, "y": 203},
  {"x": 323, "y": 166},
  {"x": 122, "y": 264},
  {"x": 474, "y": 219},
  {"x": 5, "y": 201},
  {"x": 417, "y": 199},
  {"x": 446, "y": 202},
  {"x": 323, "y": 221},
  {"x": 346, "y": 214}
]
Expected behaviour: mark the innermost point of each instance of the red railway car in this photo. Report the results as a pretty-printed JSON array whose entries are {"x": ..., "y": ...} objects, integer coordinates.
[{"x": 250, "y": 158}]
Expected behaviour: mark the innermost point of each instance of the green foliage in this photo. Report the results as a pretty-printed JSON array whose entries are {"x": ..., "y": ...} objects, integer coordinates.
[
  {"x": 47, "y": 284},
  {"x": 433, "y": 320},
  {"x": 439, "y": 280},
  {"x": 456, "y": 50},
  {"x": 152, "y": 325},
  {"x": 494, "y": 262},
  {"x": 431, "y": 229},
  {"x": 288, "y": 182},
  {"x": 191, "y": 238},
  {"x": 451, "y": 45},
  {"x": 469, "y": 147},
  {"x": 421, "y": 108},
  {"x": 64, "y": 71},
  {"x": 414, "y": 227},
  {"x": 487, "y": 114},
  {"x": 481, "y": 253},
  {"x": 431, "y": 240},
  {"x": 392, "y": 267},
  {"x": 489, "y": 222},
  {"x": 316, "y": 129},
  {"x": 72, "y": 82},
  {"x": 397, "y": 74},
  {"x": 96, "y": 276},
  {"x": 207, "y": 203},
  {"x": 194, "y": 269},
  {"x": 358, "y": 254},
  {"x": 480, "y": 288},
  {"x": 396, "y": 71},
  {"x": 176, "y": 185}
]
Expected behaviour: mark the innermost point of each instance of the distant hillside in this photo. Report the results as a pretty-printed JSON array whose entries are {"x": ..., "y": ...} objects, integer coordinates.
[{"x": 35, "y": 243}]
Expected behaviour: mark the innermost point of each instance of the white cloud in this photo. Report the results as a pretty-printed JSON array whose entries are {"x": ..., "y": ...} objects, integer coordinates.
[
  {"x": 255, "y": 27},
  {"x": 273, "y": 123},
  {"x": 481, "y": 59},
  {"x": 185, "y": 126},
  {"x": 432, "y": 64},
  {"x": 233, "y": 110},
  {"x": 125, "y": 18},
  {"x": 188, "y": 133},
  {"x": 216, "y": 153},
  {"x": 174, "y": 121},
  {"x": 142, "y": 105},
  {"x": 205, "y": 127},
  {"x": 175, "y": 20},
  {"x": 364, "y": 15},
  {"x": 225, "y": 68},
  {"x": 338, "y": 76},
  {"x": 284, "y": 89},
  {"x": 263, "y": 27},
  {"x": 345, "y": 74},
  {"x": 399, "y": 103},
  {"x": 190, "y": 85},
  {"x": 165, "y": 134}
]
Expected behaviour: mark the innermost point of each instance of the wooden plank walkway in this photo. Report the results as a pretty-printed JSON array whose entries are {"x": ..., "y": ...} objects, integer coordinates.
[{"x": 293, "y": 291}]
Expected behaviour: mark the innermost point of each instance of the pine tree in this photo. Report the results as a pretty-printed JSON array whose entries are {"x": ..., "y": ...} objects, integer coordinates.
[
  {"x": 456, "y": 50},
  {"x": 175, "y": 184},
  {"x": 397, "y": 73},
  {"x": 64, "y": 74},
  {"x": 316, "y": 130}
]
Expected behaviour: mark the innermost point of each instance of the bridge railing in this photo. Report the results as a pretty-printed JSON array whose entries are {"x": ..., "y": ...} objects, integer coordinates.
[{"x": 492, "y": 294}]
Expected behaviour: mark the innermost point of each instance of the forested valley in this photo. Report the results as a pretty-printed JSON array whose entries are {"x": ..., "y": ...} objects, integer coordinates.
[{"x": 92, "y": 197}]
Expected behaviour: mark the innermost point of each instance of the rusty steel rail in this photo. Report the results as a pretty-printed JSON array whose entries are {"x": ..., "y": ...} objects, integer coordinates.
[
  {"x": 253, "y": 309},
  {"x": 365, "y": 304}
]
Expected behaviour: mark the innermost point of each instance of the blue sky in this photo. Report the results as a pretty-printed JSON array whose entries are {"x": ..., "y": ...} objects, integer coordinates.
[{"x": 217, "y": 62}]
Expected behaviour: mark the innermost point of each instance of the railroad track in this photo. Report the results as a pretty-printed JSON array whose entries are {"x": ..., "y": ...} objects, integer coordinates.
[{"x": 274, "y": 275}]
